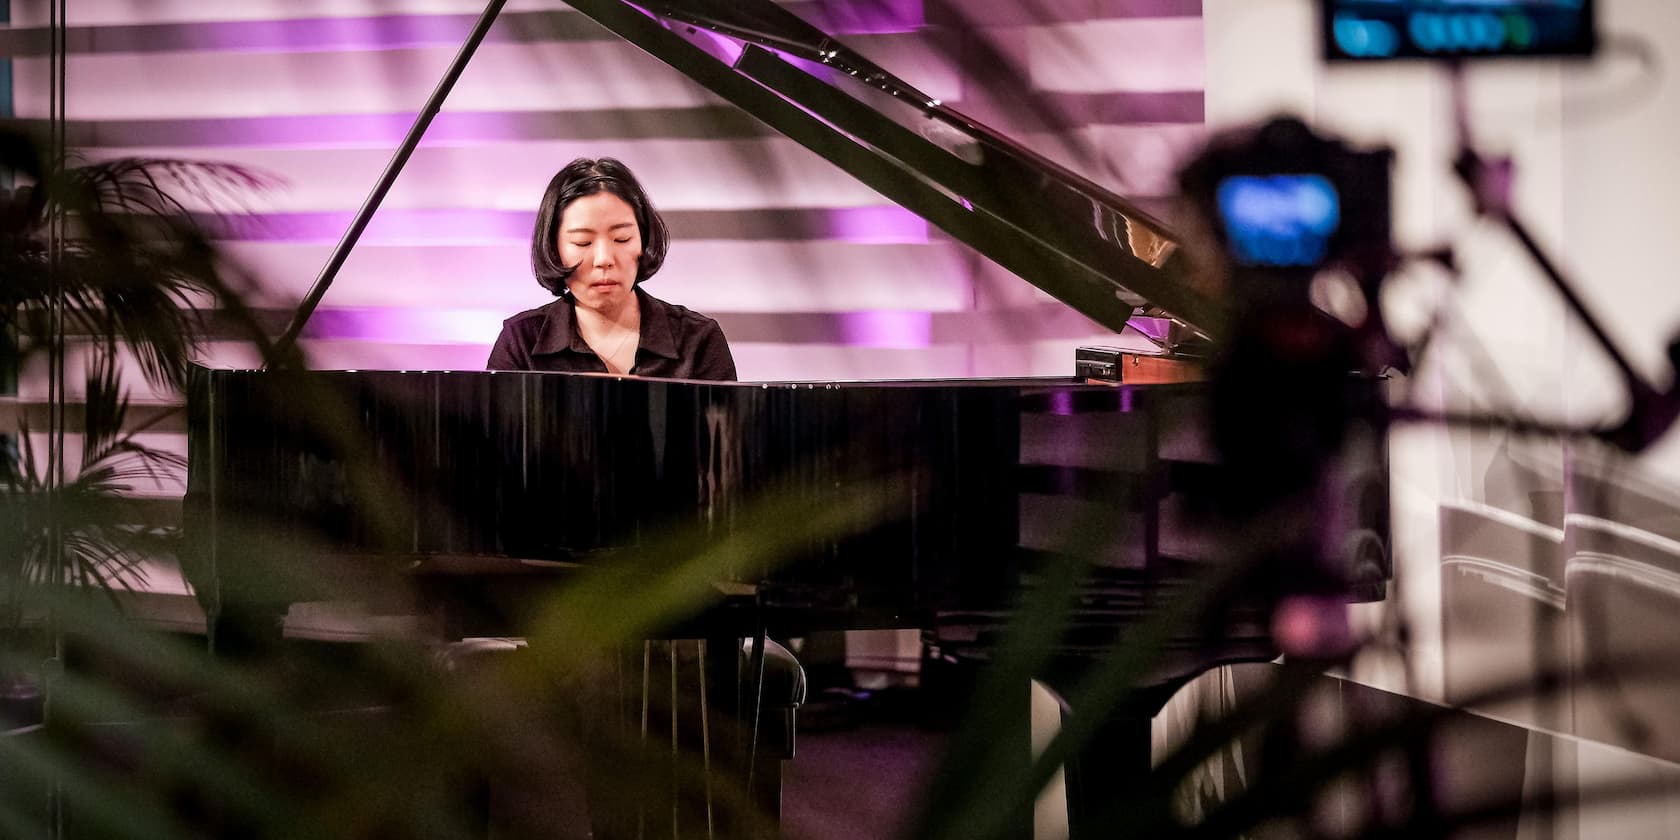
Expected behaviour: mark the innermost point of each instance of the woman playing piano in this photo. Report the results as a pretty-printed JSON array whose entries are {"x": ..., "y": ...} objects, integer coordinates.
[{"x": 597, "y": 239}]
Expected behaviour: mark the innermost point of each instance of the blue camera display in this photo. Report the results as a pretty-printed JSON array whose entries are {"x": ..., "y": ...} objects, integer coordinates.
[
  {"x": 1279, "y": 220},
  {"x": 1374, "y": 30}
]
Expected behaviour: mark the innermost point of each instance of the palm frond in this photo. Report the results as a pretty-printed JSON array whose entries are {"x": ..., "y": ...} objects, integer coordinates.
[
  {"x": 89, "y": 509},
  {"x": 136, "y": 257}
]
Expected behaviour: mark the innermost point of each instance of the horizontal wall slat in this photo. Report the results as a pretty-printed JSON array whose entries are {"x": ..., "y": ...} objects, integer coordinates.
[
  {"x": 1137, "y": 57},
  {"x": 968, "y": 13},
  {"x": 304, "y": 34},
  {"x": 755, "y": 361},
  {"x": 122, "y": 12},
  {"x": 197, "y": 137},
  {"x": 171, "y": 485},
  {"x": 833, "y": 16},
  {"x": 15, "y": 413},
  {"x": 533, "y": 77},
  {"x": 679, "y": 174},
  {"x": 879, "y": 224},
  {"x": 862, "y": 328},
  {"x": 1164, "y": 54},
  {"x": 383, "y": 30},
  {"x": 750, "y": 276},
  {"x": 857, "y": 327}
]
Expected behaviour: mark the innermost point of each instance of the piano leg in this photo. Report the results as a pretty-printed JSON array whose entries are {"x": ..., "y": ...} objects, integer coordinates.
[{"x": 1116, "y": 759}]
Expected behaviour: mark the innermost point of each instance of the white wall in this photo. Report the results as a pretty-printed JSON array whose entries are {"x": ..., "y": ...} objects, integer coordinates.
[
  {"x": 1598, "y": 184},
  {"x": 1621, "y": 182}
]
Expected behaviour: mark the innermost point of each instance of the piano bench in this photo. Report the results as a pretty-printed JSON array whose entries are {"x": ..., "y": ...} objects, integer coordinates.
[
  {"x": 728, "y": 682},
  {"x": 784, "y": 691}
]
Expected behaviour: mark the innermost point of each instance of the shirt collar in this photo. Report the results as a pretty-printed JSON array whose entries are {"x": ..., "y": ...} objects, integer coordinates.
[{"x": 559, "y": 330}]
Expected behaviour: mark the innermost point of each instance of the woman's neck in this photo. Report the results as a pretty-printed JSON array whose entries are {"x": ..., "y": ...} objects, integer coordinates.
[
  {"x": 626, "y": 316},
  {"x": 613, "y": 335}
]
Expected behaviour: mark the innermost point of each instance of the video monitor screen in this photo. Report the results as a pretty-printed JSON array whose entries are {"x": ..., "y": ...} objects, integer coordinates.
[{"x": 1379, "y": 30}]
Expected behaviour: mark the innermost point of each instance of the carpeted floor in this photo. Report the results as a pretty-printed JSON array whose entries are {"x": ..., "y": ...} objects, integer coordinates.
[{"x": 861, "y": 782}]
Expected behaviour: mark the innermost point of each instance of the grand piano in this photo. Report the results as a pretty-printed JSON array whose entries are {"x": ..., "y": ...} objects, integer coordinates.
[{"x": 474, "y": 497}]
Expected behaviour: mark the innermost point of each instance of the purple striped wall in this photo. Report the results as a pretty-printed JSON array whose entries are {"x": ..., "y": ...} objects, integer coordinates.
[{"x": 813, "y": 276}]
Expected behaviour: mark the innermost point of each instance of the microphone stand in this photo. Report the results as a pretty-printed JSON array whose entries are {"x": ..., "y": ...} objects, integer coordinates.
[{"x": 1650, "y": 412}]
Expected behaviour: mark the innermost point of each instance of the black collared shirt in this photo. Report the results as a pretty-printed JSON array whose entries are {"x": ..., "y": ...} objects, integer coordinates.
[{"x": 676, "y": 343}]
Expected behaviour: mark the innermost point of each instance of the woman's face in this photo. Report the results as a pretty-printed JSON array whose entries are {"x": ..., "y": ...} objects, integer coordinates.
[{"x": 599, "y": 235}]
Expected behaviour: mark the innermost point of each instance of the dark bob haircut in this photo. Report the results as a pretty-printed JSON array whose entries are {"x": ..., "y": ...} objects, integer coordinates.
[{"x": 578, "y": 179}]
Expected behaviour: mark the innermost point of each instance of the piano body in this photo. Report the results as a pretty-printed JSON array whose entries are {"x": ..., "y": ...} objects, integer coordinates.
[
  {"x": 967, "y": 486},
  {"x": 472, "y": 493}
]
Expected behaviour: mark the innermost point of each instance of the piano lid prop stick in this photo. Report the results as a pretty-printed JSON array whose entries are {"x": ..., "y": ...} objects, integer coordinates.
[{"x": 399, "y": 159}]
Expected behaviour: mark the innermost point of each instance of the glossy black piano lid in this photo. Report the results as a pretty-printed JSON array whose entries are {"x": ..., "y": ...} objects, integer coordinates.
[{"x": 1094, "y": 250}]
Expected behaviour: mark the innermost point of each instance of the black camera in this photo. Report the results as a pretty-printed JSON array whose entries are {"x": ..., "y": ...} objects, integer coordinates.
[{"x": 1282, "y": 199}]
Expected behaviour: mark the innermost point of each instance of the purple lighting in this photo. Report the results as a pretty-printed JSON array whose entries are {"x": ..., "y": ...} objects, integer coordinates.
[
  {"x": 322, "y": 130},
  {"x": 877, "y": 225},
  {"x": 886, "y": 328},
  {"x": 826, "y": 72},
  {"x": 880, "y": 17},
  {"x": 1061, "y": 403},
  {"x": 723, "y": 48},
  {"x": 407, "y": 326},
  {"x": 863, "y": 225},
  {"x": 421, "y": 227}
]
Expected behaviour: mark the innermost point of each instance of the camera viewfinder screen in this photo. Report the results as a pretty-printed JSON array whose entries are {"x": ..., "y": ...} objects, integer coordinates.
[
  {"x": 1378, "y": 30},
  {"x": 1281, "y": 221}
]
